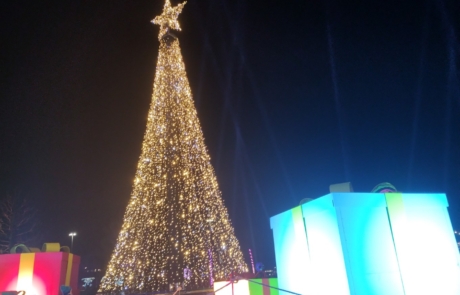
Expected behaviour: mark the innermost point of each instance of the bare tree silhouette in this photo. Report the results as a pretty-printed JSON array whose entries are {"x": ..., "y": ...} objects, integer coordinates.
[{"x": 18, "y": 222}]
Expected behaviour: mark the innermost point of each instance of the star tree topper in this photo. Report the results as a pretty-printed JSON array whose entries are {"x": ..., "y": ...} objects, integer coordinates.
[{"x": 168, "y": 19}]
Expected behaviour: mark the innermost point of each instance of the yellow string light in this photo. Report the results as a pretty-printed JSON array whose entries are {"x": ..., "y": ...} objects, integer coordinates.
[{"x": 176, "y": 222}]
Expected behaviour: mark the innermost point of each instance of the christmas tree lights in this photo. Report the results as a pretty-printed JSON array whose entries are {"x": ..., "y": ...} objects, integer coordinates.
[{"x": 176, "y": 229}]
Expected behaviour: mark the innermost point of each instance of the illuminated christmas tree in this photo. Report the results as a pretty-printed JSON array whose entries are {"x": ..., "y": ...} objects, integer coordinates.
[{"x": 176, "y": 229}]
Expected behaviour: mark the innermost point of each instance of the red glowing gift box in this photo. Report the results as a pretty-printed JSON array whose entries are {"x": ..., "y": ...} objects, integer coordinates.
[{"x": 39, "y": 273}]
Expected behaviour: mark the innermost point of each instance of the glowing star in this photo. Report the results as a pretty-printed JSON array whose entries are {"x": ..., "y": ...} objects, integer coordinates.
[{"x": 168, "y": 19}]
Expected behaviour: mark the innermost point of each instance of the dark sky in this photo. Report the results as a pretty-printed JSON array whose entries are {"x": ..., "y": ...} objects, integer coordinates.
[{"x": 292, "y": 96}]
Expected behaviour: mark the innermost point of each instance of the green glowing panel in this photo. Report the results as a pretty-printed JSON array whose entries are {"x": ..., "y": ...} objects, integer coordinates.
[
  {"x": 263, "y": 286},
  {"x": 255, "y": 289}
]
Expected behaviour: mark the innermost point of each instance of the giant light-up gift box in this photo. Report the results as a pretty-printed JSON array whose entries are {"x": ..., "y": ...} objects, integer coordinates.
[
  {"x": 39, "y": 273},
  {"x": 367, "y": 244}
]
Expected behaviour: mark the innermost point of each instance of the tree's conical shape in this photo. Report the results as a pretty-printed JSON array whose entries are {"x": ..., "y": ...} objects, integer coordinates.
[{"x": 176, "y": 229}]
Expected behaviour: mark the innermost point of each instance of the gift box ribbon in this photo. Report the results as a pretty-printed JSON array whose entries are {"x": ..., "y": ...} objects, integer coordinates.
[{"x": 47, "y": 247}]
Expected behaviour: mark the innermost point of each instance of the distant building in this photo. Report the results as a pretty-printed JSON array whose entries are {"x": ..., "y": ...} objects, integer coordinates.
[
  {"x": 90, "y": 277},
  {"x": 270, "y": 273}
]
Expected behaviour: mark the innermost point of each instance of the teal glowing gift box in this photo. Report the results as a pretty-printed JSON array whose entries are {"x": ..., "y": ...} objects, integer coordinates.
[{"x": 367, "y": 243}]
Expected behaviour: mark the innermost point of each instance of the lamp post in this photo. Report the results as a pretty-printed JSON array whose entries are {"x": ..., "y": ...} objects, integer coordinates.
[{"x": 71, "y": 235}]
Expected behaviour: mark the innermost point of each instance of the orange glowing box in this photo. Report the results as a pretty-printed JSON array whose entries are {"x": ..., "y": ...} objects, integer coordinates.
[{"x": 39, "y": 273}]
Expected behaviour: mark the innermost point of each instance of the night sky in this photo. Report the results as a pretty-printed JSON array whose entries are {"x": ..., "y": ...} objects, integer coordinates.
[{"x": 292, "y": 96}]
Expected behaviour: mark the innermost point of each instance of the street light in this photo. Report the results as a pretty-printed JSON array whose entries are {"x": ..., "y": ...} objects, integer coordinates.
[{"x": 71, "y": 235}]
